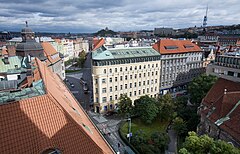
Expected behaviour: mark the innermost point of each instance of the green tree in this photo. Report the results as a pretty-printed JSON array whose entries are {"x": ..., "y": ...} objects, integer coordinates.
[
  {"x": 160, "y": 141},
  {"x": 180, "y": 126},
  {"x": 145, "y": 107},
  {"x": 81, "y": 58},
  {"x": 195, "y": 144},
  {"x": 125, "y": 105},
  {"x": 166, "y": 107},
  {"x": 199, "y": 87}
]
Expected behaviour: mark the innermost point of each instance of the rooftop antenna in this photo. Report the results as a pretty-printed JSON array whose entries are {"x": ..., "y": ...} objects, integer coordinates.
[{"x": 205, "y": 18}]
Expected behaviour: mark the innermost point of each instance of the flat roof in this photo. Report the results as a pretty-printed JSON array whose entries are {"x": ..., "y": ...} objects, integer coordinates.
[{"x": 119, "y": 53}]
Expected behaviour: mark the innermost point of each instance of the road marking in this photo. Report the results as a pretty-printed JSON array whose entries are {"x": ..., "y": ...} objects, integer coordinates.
[{"x": 75, "y": 92}]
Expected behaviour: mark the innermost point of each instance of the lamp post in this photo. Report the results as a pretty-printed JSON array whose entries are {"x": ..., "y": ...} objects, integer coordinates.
[{"x": 129, "y": 128}]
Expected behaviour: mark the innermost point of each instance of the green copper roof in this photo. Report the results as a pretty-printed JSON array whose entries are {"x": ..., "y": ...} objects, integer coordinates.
[
  {"x": 119, "y": 53},
  {"x": 13, "y": 66},
  {"x": 36, "y": 90}
]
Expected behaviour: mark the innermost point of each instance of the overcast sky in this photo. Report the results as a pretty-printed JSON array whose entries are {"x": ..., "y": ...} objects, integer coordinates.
[{"x": 118, "y": 15}]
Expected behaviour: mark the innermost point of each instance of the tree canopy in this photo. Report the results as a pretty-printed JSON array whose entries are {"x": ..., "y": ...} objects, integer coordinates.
[
  {"x": 180, "y": 126},
  {"x": 125, "y": 105},
  {"x": 146, "y": 108},
  {"x": 199, "y": 87},
  {"x": 195, "y": 144},
  {"x": 166, "y": 106}
]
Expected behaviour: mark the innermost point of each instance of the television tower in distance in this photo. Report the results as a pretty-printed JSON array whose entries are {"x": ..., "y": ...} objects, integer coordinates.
[{"x": 205, "y": 18}]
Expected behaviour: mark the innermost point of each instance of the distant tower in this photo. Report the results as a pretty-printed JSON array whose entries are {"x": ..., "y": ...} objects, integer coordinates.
[{"x": 205, "y": 18}]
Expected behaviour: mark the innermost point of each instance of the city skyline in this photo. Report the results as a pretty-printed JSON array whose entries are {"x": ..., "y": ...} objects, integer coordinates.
[{"x": 91, "y": 16}]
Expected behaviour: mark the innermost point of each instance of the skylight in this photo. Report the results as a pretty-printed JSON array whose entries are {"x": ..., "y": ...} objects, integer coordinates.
[{"x": 172, "y": 47}]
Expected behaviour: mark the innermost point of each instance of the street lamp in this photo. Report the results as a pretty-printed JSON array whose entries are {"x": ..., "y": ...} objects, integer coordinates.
[{"x": 129, "y": 129}]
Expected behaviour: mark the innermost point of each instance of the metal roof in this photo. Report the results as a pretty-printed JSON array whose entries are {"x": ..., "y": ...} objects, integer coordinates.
[
  {"x": 119, "y": 53},
  {"x": 14, "y": 63}
]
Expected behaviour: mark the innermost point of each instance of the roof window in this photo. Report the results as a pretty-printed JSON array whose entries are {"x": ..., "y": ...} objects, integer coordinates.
[{"x": 172, "y": 47}]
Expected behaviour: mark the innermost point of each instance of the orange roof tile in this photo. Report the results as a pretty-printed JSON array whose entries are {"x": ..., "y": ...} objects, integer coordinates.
[
  {"x": 57, "y": 40},
  {"x": 49, "y": 50},
  {"x": 4, "y": 51},
  {"x": 167, "y": 46},
  {"x": 53, "y": 120},
  {"x": 98, "y": 44}
]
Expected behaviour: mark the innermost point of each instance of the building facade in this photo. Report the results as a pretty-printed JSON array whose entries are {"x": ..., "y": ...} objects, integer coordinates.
[
  {"x": 131, "y": 71},
  {"x": 181, "y": 61},
  {"x": 226, "y": 66}
]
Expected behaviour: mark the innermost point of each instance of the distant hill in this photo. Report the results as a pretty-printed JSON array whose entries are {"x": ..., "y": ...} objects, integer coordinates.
[{"x": 105, "y": 32}]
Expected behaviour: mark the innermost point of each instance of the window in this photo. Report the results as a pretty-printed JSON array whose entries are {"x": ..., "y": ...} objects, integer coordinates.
[
  {"x": 96, "y": 90},
  {"x": 156, "y": 65},
  {"x": 103, "y": 80},
  {"x": 148, "y": 73},
  {"x": 147, "y": 81},
  {"x": 152, "y": 73},
  {"x": 115, "y": 79},
  {"x": 130, "y": 76},
  {"x": 104, "y": 99},
  {"x": 110, "y": 79},
  {"x": 110, "y": 89},
  {"x": 152, "y": 65},
  {"x": 104, "y": 71},
  {"x": 148, "y": 65},
  {"x": 147, "y": 90},
  {"x": 139, "y": 83},
  {"x": 135, "y": 93},
  {"x": 144, "y": 83},
  {"x": 135, "y": 68},
  {"x": 125, "y": 86},
  {"x": 116, "y": 88},
  {"x": 96, "y": 81},
  {"x": 126, "y": 69},
  {"x": 110, "y": 98},
  {"x": 156, "y": 73},
  {"x": 116, "y": 97},
  {"x": 143, "y": 91},
  {"x": 139, "y": 92},
  {"x": 230, "y": 73},
  {"x": 130, "y": 85},
  {"x": 135, "y": 76},
  {"x": 115, "y": 70},
  {"x": 104, "y": 90},
  {"x": 139, "y": 75},
  {"x": 155, "y": 80},
  {"x": 140, "y": 67},
  {"x": 121, "y": 87},
  {"x": 51, "y": 151},
  {"x": 130, "y": 94},
  {"x": 130, "y": 68},
  {"x": 144, "y": 66},
  {"x": 151, "y": 89},
  {"x": 155, "y": 88},
  {"x": 135, "y": 84},
  {"x": 97, "y": 99},
  {"x": 125, "y": 77},
  {"x": 18, "y": 77},
  {"x": 120, "y": 69},
  {"x": 144, "y": 74},
  {"x": 110, "y": 70},
  {"x": 121, "y": 78}
]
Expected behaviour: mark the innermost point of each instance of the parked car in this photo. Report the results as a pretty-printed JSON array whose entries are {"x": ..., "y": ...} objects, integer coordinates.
[
  {"x": 82, "y": 81},
  {"x": 72, "y": 85},
  {"x": 85, "y": 88}
]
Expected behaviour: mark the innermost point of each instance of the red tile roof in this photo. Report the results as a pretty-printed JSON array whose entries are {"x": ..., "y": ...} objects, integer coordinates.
[
  {"x": 220, "y": 104},
  {"x": 53, "y": 120},
  {"x": 98, "y": 44},
  {"x": 49, "y": 50},
  {"x": 177, "y": 46}
]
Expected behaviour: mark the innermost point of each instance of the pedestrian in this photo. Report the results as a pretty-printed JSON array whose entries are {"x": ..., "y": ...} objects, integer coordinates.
[{"x": 119, "y": 145}]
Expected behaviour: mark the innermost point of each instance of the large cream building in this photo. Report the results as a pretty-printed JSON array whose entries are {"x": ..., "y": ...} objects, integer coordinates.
[{"x": 131, "y": 71}]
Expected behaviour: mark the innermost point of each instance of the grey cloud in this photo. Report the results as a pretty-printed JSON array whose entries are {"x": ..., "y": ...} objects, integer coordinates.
[{"x": 92, "y": 15}]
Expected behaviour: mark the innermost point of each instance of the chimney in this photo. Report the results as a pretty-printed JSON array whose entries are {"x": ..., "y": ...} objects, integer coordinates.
[
  {"x": 225, "y": 91},
  {"x": 5, "y": 60}
]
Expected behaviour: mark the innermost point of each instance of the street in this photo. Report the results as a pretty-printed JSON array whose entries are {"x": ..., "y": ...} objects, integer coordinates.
[{"x": 108, "y": 126}]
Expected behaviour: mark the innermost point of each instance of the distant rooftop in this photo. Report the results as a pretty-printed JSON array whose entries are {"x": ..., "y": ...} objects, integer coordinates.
[
  {"x": 14, "y": 65},
  {"x": 118, "y": 53}
]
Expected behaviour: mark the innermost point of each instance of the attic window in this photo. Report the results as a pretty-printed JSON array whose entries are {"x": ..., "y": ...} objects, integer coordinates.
[
  {"x": 85, "y": 126},
  {"x": 188, "y": 46},
  {"x": 51, "y": 151},
  {"x": 172, "y": 47}
]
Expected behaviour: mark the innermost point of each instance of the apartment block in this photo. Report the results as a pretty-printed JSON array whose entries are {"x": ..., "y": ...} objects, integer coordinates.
[
  {"x": 117, "y": 71},
  {"x": 181, "y": 61},
  {"x": 226, "y": 66}
]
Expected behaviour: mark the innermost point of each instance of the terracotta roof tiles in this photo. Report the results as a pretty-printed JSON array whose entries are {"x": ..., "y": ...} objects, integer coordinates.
[
  {"x": 168, "y": 46},
  {"x": 53, "y": 120},
  {"x": 98, "y": 44}
]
